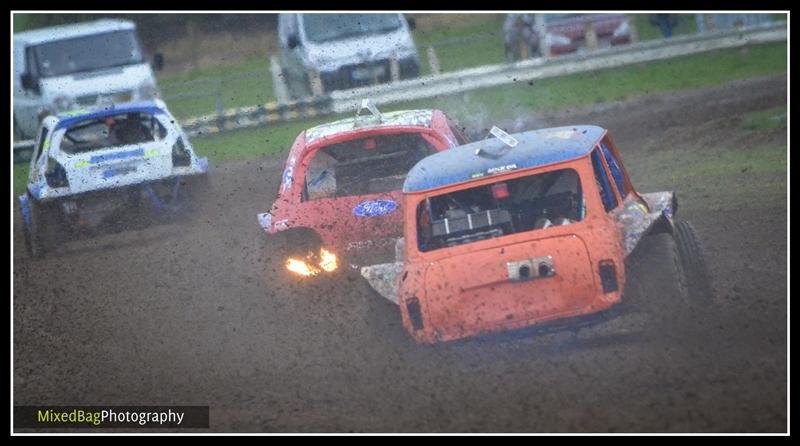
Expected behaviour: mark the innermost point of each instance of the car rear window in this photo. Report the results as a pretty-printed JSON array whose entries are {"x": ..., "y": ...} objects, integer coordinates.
[
  {"x": 364, "y": 166},
  {"x": 112, "y": 131},
  {"x": 523, "y": 204}
]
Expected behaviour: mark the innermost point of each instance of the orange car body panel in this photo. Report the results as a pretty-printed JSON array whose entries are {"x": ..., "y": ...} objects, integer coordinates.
[{"x": 465, "y": 290}]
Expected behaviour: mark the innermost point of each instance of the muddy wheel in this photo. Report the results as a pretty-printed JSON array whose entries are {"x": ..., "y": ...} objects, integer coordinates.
[
  {"x": 692, "y": 257},
  {"x": 299, "y": 243},
  {"x": 304, "y": 245},
  {"x": 39, "y": 232},
  {"x": 656, "y": 280}
]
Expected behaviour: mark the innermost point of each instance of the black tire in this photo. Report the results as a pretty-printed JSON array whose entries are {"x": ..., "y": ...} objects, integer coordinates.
[
  {"x": 297, "y": 88},
  {"x": 301, "y": 243},
  {"x": 38, "y": 234},
  {"x": 656, "y": 283},
  {"x": 693, "y": 261}
]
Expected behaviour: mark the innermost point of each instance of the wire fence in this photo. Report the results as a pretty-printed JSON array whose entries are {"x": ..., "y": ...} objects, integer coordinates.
[{"x": 219, "y": 92}]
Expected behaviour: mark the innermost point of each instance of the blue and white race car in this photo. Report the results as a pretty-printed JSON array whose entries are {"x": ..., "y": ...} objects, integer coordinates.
[{"x": 89, "y": 165}]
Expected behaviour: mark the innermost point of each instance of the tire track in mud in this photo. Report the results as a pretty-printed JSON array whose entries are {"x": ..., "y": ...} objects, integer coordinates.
[{"x": 193, "y": 313}]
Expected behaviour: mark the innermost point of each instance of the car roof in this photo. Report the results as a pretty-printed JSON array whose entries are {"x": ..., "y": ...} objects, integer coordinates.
[
  {"x": 404, "y": 118},
  {"x": 534, "y": 148},
  {"x": 62, "y": 32},
  {"x": 70, "y": 118}
]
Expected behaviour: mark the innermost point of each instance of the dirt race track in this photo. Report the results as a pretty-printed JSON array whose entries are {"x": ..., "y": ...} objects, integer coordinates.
[{"x": 192, "y": 314}]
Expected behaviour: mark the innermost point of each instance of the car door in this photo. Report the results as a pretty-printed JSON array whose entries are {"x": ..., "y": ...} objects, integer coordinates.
[
  {"x": 355, "y": 220},
  {"x": 26, "y": 101}
]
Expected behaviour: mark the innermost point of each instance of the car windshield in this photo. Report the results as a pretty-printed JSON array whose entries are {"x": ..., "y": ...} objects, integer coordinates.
[
  {"x": 529, "y": 203},
  {"x": 548, "y": 18},
  {"x": 88, "y": 53},
  {"x": 325, "y": 27},
  {"x": 112, "y": 131},
  {"x": 364, "y": 166}
]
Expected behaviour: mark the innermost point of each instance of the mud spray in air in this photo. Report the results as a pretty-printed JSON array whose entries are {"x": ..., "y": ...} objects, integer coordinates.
[{"x": 201, "y": 312}]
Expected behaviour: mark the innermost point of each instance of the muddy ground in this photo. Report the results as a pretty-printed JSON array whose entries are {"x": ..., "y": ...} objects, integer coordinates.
[{"x": 193, "y": 314}]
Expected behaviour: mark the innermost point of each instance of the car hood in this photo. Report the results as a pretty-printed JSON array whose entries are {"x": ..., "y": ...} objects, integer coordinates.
[
  {"x": 329, "y": 56},
  {"x": 111, "y": 80}
]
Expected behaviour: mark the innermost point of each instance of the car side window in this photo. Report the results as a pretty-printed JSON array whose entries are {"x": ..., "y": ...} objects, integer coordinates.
[
  {"x": 31, "y": 62},
  {"x": 616, "y": 170},
  {"x": 600, "y": 176}
]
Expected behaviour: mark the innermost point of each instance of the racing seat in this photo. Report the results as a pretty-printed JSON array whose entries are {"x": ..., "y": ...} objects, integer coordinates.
[{"x": 131, "y": 131}]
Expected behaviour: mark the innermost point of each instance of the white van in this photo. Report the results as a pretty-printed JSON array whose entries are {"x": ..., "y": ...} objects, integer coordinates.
[
  {"x": 326, "y": 52},
  {"x": 72, "y": 66}
]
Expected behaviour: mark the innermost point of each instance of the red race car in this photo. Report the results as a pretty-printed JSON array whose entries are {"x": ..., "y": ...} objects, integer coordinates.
[{"x": 340, "y": 200}]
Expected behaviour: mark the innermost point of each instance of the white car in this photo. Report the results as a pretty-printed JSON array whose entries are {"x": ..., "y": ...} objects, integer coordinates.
[
  {"x": 327, "y": 52},
  {"x": 88, "y": 165},
  {"x": 71, "y": 66}
]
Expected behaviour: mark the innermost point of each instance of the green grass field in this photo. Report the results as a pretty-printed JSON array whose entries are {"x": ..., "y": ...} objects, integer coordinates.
[
  {"x": 252, "y": 88},
  {"x": 715, "y": 180},
  {"x": 507, "y": 102},
  {"x": 561, "y": 93},
  {"x": 487, "y": 48},
  {"x": 482, "y": 45},
  {"x": 255, "y": 90},
  {"x": 720, "y": 179},
  {"x": 767, "y": 119}
]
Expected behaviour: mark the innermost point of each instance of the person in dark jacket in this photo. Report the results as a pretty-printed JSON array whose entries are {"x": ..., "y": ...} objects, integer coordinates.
[{"x": 665, "y": 22}]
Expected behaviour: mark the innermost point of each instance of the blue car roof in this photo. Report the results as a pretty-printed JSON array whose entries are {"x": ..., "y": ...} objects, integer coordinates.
[
  {"x": 67, "y": 120},
  {"x": 534, "y": 148}
]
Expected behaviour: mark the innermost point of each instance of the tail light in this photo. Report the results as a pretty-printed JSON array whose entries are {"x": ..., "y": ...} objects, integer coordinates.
[
  {"x": 180, "y": 156},
  {"x": 608, "y": 276},
  {"x": 55, "y": 174},
  {"x": 414, "y": 313}
]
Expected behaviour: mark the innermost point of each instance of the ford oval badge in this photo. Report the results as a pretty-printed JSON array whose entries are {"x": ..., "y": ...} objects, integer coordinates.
[{"x": 374, "y": 208}]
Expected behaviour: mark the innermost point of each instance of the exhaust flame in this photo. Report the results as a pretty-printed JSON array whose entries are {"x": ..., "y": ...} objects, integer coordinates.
[
  {"x": 327, "y": 262},
  {"x": 300, "y": 267}
]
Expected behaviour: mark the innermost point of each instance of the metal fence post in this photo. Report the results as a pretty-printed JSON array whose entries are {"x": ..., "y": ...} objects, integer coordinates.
[
  {"x": 219, "y": 107},
  {"x": 278, "y": 81},
  {"x": 592, "y": 42},
  {"x": 433, "y": 61},
  {"x": 394, "y": 68}
]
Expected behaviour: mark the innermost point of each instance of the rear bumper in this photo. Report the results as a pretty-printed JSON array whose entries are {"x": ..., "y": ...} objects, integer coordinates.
[
  {"x": 60, "y": 194},
  {"x": 559, "y": 317},
  {"x": 344, "y": 78},
  {"x": 89, "y": 208}
]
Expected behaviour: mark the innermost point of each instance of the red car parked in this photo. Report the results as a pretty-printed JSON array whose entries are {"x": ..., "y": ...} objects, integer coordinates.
[
  {"x": 340, "y": 195},
  {"x": 556, "y": 34}
]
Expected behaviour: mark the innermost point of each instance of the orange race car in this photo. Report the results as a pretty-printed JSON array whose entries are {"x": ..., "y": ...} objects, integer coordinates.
[{"x": 522, "y": 229}]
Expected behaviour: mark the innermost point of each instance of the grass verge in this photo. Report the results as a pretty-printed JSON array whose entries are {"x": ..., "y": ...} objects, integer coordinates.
[{"x": 507, "y": 102}]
